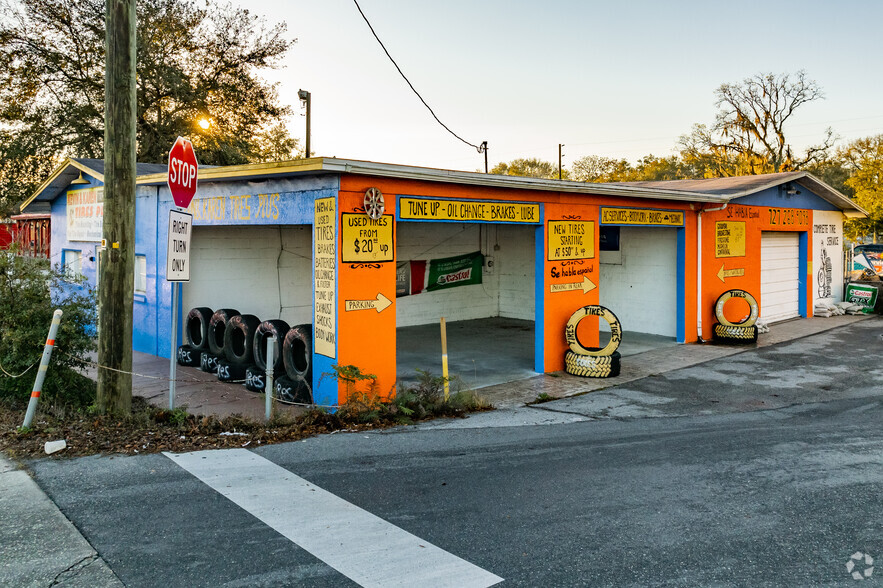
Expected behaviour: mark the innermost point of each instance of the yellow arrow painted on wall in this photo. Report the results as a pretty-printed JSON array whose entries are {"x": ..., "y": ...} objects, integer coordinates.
[
  {"x": 379, "y": 304},
  {"x": 586, "y": 286},
  {"x": 730, "y": 273}
]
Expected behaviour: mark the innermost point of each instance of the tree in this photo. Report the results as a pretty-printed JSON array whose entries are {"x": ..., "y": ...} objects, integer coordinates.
[
  {"x": 30, "y": 291},
  {"x": 531, "y": 167},
  {"x": 194, "y": 65},
  {"x": 749, "y": 131},
  {"x": 596, "y": 168},
  {"x": 863, "y": 158}
]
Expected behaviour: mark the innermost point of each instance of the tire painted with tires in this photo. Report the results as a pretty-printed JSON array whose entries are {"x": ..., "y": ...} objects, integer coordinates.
[
  {"x": 592, "y": 366},
  {"x": 297, "y": 352},
  {"x": 208, "y": 362},
  {"x": 187, "y": 356},
  {"x": 217, "y": 329},
  {"x": 752, "y": 304},
  {"x": 239, "y": 338},
  {"x": 735, "y": 335},
  {"x": 593, "y": 310},
  {"x": 273, "y": 328},
  {"x": 296, "y": 390},
  {"x": 196, "y": 327},
  {"x": 231, "y": 372}
]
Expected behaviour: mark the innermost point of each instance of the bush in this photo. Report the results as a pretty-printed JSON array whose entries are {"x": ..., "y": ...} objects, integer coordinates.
[{"x": 30, "y": 291}]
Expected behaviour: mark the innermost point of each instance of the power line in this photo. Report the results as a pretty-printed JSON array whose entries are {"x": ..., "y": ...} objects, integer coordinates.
[{"x": 480, "y": 148}]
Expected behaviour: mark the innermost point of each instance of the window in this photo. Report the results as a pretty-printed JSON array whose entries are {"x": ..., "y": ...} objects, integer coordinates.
[
  {"x": 141, "y": 274},
  {"x": 72, "y": 263}
]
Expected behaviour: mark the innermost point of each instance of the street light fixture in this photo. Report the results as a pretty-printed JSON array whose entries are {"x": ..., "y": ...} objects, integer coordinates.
[{"x": 305, "y": 97}]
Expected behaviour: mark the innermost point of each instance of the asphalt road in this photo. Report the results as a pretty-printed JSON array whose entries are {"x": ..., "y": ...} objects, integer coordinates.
[{"x": 719, "y": 496}]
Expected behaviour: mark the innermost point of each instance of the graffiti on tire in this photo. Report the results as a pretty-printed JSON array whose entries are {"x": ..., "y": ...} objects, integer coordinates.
[
  {"x": 599, "y": 311},
  {"x": 592, "y": 366}
]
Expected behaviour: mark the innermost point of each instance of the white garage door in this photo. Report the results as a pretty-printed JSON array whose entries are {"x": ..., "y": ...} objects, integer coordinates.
[{"x": 779, "y": 276}]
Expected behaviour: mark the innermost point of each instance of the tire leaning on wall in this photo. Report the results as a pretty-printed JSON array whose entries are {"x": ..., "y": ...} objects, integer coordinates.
[
  {"x": 297, "y": 352},
  {"x": 239, "y": 338},
  {"x": 592, "y": 366},
  {"x": 296, "y": 390},
  {"x": 745, "y": 322},
  {"x": 217, "y": 328},
  {"x": 196, "y": 327},
  {"x": 593, "y": 310},
  {"x": 231, "y": 372},
  {"x": 735, "y": 335},
  {"x": 272, "y": 328}
]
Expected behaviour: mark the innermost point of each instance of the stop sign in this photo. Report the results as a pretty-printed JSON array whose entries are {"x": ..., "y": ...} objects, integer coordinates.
[{"x": 182, "y": 172}]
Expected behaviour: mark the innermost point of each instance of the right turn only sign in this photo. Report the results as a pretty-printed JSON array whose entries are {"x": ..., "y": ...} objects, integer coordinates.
[{"x": 178, "y": 259}]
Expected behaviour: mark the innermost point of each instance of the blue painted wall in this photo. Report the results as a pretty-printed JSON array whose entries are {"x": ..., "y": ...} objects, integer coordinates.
[{"x": 779, "y": 198}]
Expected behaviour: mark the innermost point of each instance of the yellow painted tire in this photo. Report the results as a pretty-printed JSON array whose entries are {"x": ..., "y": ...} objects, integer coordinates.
[
  {"x": 593, "y": 310},
  {"x": 722, "y": 300},
  {"x": 592, "y": 366},
  {"x": 735, "y": 335}
]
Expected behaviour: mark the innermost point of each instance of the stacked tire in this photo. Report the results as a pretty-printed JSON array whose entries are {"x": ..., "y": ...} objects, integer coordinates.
[
  {"x": 238, "y": 347},
  {"x": 256, "y": 375},
  {"x": 234, "y": 347},
  {"x": 297, "y": 354},
  {"x": 592, "y": 362},
  {"x": 743, "y": 332},
  {"x": 196, "y": 334}
]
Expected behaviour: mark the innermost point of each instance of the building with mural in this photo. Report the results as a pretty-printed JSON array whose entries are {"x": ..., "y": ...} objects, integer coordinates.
[{"x": 359, "y": 250}]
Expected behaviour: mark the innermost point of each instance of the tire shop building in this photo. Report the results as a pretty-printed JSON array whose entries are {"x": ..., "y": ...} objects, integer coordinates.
[{"x": 364, "y": 251}]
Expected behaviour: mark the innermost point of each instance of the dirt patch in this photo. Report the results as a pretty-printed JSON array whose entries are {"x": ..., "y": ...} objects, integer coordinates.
[{"x": 150, "y": 429}]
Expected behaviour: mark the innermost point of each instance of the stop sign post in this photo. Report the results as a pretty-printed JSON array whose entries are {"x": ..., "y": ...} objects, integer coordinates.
[
  {"x": 182, "y": 184},
  {"x": 182, "y": 172}
]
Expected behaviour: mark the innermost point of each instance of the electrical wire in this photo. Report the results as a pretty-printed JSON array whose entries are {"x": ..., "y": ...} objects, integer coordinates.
[{"x": 479, "y": 148}]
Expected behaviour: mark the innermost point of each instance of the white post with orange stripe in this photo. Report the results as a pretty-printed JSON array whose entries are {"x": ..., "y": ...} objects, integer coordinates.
[{"x": 44, "y": 365}]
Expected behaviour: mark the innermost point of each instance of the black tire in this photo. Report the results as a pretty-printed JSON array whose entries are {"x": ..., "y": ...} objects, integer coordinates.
[
  {"x": 297, "y": 353},
  {"x": 295, "y": 390},
  {"x": 217, "y": 328},
  {"x": 274, "y": 328},
  {"x": 231, "y": 372},
  {"x": 735, "y": 335},
  {"x": 187, "y": 356},
  {"x": 592, "y": 366},
  {"x": 196, "y": 327},
  {"x": 256, "y": 378},
  {"x": 208, "y": 362},
  {"x": 239, "y": 338}
]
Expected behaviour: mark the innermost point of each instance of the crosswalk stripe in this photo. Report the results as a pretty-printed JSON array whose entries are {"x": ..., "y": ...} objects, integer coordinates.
[{"x": 356, "y": 543}]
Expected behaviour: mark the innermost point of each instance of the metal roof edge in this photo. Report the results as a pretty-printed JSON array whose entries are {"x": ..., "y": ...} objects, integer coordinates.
[
  {"x": 62, "y": 167},
  {"x": 810, "y": 182}
]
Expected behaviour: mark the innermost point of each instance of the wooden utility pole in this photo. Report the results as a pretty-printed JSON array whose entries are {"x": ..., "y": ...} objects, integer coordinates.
[
  {"x": 560, "y": 145},
  {"x": 115, "y": 291}
]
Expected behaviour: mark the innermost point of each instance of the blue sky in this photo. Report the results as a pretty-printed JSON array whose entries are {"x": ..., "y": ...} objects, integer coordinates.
[{"x": 616, "y": 79}]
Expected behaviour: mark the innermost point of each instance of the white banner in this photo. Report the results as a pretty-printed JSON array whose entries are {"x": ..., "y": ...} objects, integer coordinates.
[{"x": 85, "y": 213}]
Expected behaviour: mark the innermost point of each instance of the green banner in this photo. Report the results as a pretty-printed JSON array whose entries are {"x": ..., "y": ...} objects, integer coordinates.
[{"x": 451, "y": 272}]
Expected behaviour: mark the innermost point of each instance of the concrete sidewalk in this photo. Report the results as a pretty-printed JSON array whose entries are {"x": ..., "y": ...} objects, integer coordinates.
[{"x": 39, "y": 546}]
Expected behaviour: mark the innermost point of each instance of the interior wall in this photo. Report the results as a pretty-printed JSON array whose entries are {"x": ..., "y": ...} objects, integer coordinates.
[
  {"x": 507, "y": 287},
  {"x": 640, "y": 283},
  {"x": 515, "y": 264},
  {"x": 255, "y": 270}
]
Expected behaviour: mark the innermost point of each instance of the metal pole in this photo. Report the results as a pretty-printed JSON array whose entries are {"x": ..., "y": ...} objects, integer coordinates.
[
  {"x": 444, "y": 342},
  {"x": 305, "y": 96},
  {"x": 173, "y": 363},
  {"x": 44, "y": 365},
  {"x": 268, "y": 387},
  {"x": 560, "y": 145}
]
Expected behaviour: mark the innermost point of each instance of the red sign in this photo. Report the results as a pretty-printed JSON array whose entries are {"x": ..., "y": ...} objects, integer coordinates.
[{"x": 182, "y": 172}]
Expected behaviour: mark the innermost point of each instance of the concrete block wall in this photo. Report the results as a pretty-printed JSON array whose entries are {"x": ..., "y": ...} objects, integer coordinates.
[
  {"x": 438, "y": 240},
  {"x": 255, "y": 270},
  {"x": 642, "y": 289},
  {"x": 515, "y": 265}
]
